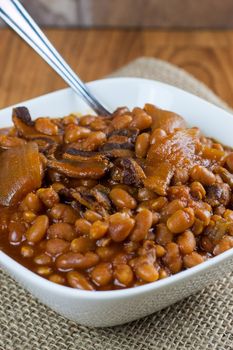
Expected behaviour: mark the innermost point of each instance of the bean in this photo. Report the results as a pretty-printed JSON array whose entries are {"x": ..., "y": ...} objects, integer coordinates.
[
  {"x": 48, "y": 196},
  {"x": 124, "y": 274},
  {"x": 38, "y": 229},
  {"x": 155, "y": 218},
  {"x": 70, "y": 119},
  {"x": 121, "y": 111},
  {"x": 104, "y": 242},
  {"x": 142, "y": 145},
  {"x": 192, "y": 259},
  {"x": 180, "y": 192},
  {"x": 42, "y": 259},
  {"x": 82, "y": 227},
  {"x": 197, "y": 190},
  {"x": 98, "y": 229},
  {"x": 213, "y": 154},
  {"x": 148, "y": 249},
  {"x": 206, "y": 244},
  {"x": 163, "y": 235},
  {"x": 197, "y": 227},
  {"x": 224, "y": 244},
  {"x": 94, "y": 140},
  {"x": 44, "y": 270},
  {"x": 57, "y": 186},
  {"x": 86, "y": 120},
  {"x": 181, "y": 220},
  {"x": 230, "y": 229},
  {"x": 76, "y": 260},
  {"x": 56, "y": 246},
  {"x": 64, "y": 213},
  {"x": 82, "y": 245},
  {"x": 78, "y": 280},
  {"x": 157, "y": 135},
  {"x": 126, "y": 188},
  {"x": 226, "y": 176},
  {"x": 107, "y": 253},
  {"x": 214, "y": 219},
  {"x": 27, "y": 251},
  {"x": 122, "y": 199},
  {"x": 203, "y": 175},
  {"x": 170, "y": 208},
  {"x": 92, "y": 216},
  {"x": 74, "y": 133},
  {"x": 145, "y": 194},
  {"x": 42, "y": 245},
  {"x": 163, "y": 274},
  {"x": 229, "y": 161},
  {"x": 46, "y": 126},
  {"x": 98, "y": 124},
  {"x": 57, "y": 279},
  {"x": 220, "y": 210},
  {"x": 186, "y": 242},
  {"x": 206, "y": 141},
  {"x": 127, "y": 212},
  {"x": 16, "y": 232},
  {"x": 143, "y": 222},
  {"x": 15, "y": 217},
  {"x": 160, "y": 251},
  {"x": 146, "y": 272},
  {"x": 172, "y": 258},
  {"x": 228, "y": 215},
  {"x": 141, "y": 120},
  {"x": 62, "y": 230},
  {"x": 29, "y": 216},
  {"x": 120, "y": 226},
  {"x": 217, "y": 146},
  {"x": 158, "y": 203},
  {"x": 121, "y": 121},
  {"x": 204, "y": 215},
  {"x": 120, "y": 258},
  {"x": 102, "y": 274},
  {"x": 32, "y": 202}
]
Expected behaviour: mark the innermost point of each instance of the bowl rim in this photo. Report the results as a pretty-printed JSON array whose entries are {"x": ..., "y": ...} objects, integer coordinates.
[
  {"x": 6, "y": 261},
  {"x": 113, "y": 294},
  {"x": 92, "y": 83}
]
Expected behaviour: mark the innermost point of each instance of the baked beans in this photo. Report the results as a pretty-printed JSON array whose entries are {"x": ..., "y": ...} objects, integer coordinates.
[{"x": 105, "y": 203}]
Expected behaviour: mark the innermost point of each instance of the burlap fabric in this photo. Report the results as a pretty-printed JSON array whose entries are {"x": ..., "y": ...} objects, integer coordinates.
[{"x": 203, "y": 321}]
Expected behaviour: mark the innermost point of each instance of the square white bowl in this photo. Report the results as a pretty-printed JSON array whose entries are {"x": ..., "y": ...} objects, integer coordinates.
[{"x": 109, "y": 308}]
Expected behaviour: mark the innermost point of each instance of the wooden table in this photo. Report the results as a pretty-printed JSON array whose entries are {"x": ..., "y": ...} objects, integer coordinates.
[{"x": 208, "y": 55}]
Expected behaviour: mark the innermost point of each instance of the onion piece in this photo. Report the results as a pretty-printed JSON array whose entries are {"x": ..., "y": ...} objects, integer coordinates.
[
  {"x": 168, "y": 121},
  {"x": 80, "y": 170},
  {"x": 20, "y": 173}
]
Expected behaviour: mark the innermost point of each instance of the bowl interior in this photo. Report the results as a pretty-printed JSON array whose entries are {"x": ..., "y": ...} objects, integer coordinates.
[{"x": 130, "y": 92}]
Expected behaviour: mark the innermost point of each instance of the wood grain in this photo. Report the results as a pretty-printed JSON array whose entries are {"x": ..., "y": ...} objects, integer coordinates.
[{"x": 208, "y": 55}]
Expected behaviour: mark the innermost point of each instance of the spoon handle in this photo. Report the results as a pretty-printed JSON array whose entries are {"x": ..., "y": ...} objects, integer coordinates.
[{"x": 14, "y": 14}]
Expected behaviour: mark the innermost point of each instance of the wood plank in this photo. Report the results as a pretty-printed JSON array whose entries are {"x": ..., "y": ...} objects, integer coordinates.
[{"x": 208, "y": 55}]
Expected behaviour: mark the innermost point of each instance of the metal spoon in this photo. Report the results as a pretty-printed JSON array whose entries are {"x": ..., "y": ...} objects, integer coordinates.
[{"x": 14, "y": 14}]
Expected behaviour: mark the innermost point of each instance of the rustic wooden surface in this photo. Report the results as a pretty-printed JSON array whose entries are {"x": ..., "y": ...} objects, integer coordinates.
[{"x": 95, "y": 53}]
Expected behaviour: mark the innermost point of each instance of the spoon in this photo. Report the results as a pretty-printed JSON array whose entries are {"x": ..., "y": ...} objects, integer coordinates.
[{"x": 14, "y": 14}]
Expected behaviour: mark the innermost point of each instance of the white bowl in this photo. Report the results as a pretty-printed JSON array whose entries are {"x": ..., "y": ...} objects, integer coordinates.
[{"x": 111, "y": 308}]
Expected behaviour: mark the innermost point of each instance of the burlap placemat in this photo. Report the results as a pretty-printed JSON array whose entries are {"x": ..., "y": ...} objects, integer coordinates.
[{"x": 203, "y": 321}]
